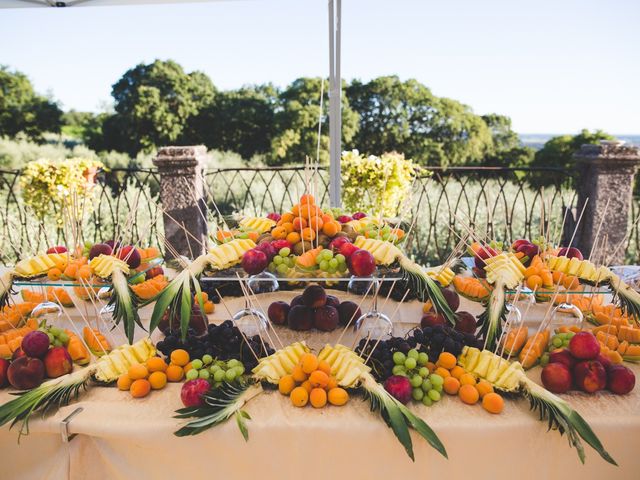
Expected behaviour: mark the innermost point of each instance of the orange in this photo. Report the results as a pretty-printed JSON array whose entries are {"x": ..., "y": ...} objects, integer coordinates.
[
  {"x": 331, "y": 228},
  {"x": 319, "y": 379},
  {"x": 158, "y": 380},
  {"x": 308, "y": 234},
  {"x": 180, "y": 357},
  {"x": 293, "y": 238},
  {"x": 298, "y": 375},
  {"x": 451, "y": 385},
  {"x": 443, "y": 372},
  {"x": 279, "y": 233},
  {"x": 124, "y": 382},
  {"x": 534, "y": 282},
  {"x": 299, "y": 223},
  {"x": 156, "y": 364},
  {"x": 468, "y": 379},
  {"x": 307, "y": 386},
  {"x": 299, "y": 397},
  {"x": 492, "y": 403},
  {"x": 138, "y": 371},
  {"x": 318, "y": 398},
  {"x": 324, "y": 366},
  {"x": 308, "y": 362},
  {"x": 174, "y": 373},
  {"x": 286, "y": 384},
  {"x": 288, "y": 227},
  {"x": 447, "y": 360},
  {"x": 307, "y": 198},
  {"x": 140, "y": 388},
  {"x": 338, "y": 396},
  {"x": 316, "y": 223},
  {"x": 468, "y": 394},
  {"x": 484, "y": 388},
  {"x": 54, "y": 274},
  {"x": 457, "y": 372}
]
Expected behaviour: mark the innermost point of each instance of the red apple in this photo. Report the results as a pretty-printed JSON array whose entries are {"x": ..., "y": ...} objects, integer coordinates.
[
  {"x": 563, "y": 356},
  {"x": 99, "y": 249},
  {"x": 131, "y": 255},
  {"x": 358, "y": 215},
  {"x": 584, "y": 346},
  {"x": 57, "y": 249},
  {"x": 483, "y": 253},
  {"x": 35, "y": 344},
  {"x": 192, "y": 391},
  {"x": 347, "y": 249},
  {"x": 620, "y": 380},
  {"x": 556, "y": 378},
  {"x": 337, "y": 243},
  {"x": 154, "y": 272},
  {"x": 254, "y": 261},
  {"x": 361, "y": 263},
  {"x": 57, "y": 362},
  {"x": 344, "y": 218},
  {"x": 4, "y": 366},
  {"x": 571, "y": 252},
  {"x": 25, "y": 373},
  {"x": 274, "y": 216},
  {"x": 590, "y": 376}
]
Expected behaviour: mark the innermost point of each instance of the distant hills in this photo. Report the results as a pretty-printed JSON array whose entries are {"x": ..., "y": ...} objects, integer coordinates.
[{"x": 537, "y": 140}]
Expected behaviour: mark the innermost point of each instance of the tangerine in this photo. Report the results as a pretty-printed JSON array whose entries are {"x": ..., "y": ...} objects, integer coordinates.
[
  {"x": 140, "y": 388},
  {"x": 158, "y": 380},
  {"x": 174, "y": 373},
  {"x": 180, "y": 357},
  {"x": 286, "y": 384},
  {"x": 492, "y": 403},
  {"x": 138, "y": 371},
  {"x": 468, "y": 394},
  {"x": 156, "y": 364},
  {"x": 299, "y": 397}
]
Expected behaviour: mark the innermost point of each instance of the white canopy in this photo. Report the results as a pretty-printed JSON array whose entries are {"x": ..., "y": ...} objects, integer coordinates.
[{"x": 335, "y": 82}]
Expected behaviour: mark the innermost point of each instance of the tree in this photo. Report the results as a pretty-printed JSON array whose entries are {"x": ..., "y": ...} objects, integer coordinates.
[
  {"x": 406, "y": 117},
  {"x": 506, "y": 150},
  {"x": 241, "y": 121},
  {"x": 23, "y": 110},
  {"x": 296, "y": 123},
  {"x": 155, "y": 101},
  {"x": 75, "y": 122}
]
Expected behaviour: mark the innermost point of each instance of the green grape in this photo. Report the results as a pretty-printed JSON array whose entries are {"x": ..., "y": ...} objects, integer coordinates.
[
  {"x": 410, "y": 363},
  {"x": 319, "y": 259},
  {"x": 55, "y": 331},
  {"x": 285, "y": 252},
  {"x": 399, "y": 370},
  {"x": 342, "y": 267},
  {"x": 399, "y": 358},
  {"x": 423, "y": 372},
  {"x": 437, "y": 388},
  {"x": 283, "y": 269},
  {"x": 416, "y": 381},
  {"x": 64, "y": 338},
  {"x": 239, "y": 370},
  {"x": 426, "y": 401},
  {"x": 192, "y": 374},
  {"x": 219, "y": 375},
  {"x": 196, "y": 364},
  {"x": 51, "y": 337},
  {"x": 57, "y": 343},
  {"x": 213, "y": 369},
  {"x": 340, "y": 258},
  {"x": 233, "y": 363},
  {"x": 324, "y": 265},
  {"x": 272, "y": 267},
  {"x": 434, "y": 395},
  {"x": 557, "y": 342},
  {"x": 204, "y": 374},
  {"x": 544, "y": 359},
  {"x": 570, "y": 335},
  {"x": 217, "y": 384},
  {"x": 333, "y": 269},
  {"x": 423, "y": 358},
  {"x": 327, "y": 254},
  {"x": 436, "y": 379},
  {"x": 207, "y": 359},
  {"x": 426, "y": 385},
  {"x": 413, "y": 353},
  {"x": 417, "y": 394},
  {"x": 333, "y": 263},
  {"x": 230, "y": 375},
  {"x": 277, "y": 260}
]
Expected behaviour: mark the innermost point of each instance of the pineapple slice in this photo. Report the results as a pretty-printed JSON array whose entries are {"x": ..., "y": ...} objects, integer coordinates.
[
  {"x": 104, "y": 265},
  {"x": 385, "y": 253},
  {"x": 230, "y": 253},
  {"x": 257, "y": 224}
]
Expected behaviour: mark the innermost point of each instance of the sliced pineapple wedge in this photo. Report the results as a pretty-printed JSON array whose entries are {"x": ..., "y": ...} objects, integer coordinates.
[
  {"x": 230, "y": 253},
  {"x": 385, "y": 253},
  {"x": 257, "y": 224}
]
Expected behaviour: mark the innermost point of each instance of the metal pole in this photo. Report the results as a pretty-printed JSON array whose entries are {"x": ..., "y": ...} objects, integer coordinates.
[{"x": 335, "y": 103}]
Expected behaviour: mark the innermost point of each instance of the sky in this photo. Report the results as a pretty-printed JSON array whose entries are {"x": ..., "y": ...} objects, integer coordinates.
[{"x": 552, "y": 66}]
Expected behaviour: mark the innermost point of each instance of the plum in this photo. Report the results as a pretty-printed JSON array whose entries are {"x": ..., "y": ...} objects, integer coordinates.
[
  {"x": 359, "y": 215},
  {"x": 154, "y": 272},
  {"x": 348, "y": 310},
  {"x": 465, "y": 322},
  {"x": 333, "y": 301},
  {"x": 314, "y": 296},
  {"x": 274, "y": 216},
  {"x": 268, "y": 249},
  {"x": 399, "y": 388},
  {"x": 556, "y": 378},
  {"x": 326, "y": 318},
  {"x": 100, "y": 249},
  {"x": 297, "y": 300},
  {"x": 620, "y": 379},
  {"x": 431, "y": 319},
  {"x": 35, "y": 344},
  {"x": 300, "y": 318},
  {"x": 57, "y": 249},
  {"x": 4, "y": 366},
  {"x": 57, "y": 362},
  {"x": 278, "y": 312},
  {"x": 344, "y": 218},
  {"x": 25, "y": 373},
  {"x": 452, "y": 298}
]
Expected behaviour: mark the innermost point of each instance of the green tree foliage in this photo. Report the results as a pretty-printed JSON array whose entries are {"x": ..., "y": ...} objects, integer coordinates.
[
  {"x": 153, "y": 103},
  {"x": 23, "y": 110},
  {"x": 406, "y": 117},
  {"x": 506, "y": 151},
  {"x": 296, "y": 123},
  {"x": 240, "y": 121}
]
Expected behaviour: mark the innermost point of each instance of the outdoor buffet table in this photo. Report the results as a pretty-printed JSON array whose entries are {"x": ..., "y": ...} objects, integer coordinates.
[{"x": 122, "y": 437}]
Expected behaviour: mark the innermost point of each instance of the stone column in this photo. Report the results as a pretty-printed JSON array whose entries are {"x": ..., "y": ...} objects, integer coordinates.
[
  {"x": 607, "y": 173},
  {"x": 183, "y": 198}
]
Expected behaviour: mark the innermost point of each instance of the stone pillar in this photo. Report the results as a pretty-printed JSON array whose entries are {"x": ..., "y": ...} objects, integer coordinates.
[
  {"x": 183, "y": 198},
  {"x": 607, "y": 174}
]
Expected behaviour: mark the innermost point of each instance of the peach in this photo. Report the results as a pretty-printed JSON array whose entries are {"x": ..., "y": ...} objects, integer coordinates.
[
  {"x": 589, "y": 376},
  {"x": 556, "y": 377}
]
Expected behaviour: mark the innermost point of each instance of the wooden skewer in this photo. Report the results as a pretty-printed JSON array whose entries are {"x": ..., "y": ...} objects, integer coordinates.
[{"x": 544, "y": 319}]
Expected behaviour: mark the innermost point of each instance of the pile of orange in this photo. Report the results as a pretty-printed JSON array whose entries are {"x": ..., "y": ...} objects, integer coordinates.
[
  {"x": 457, "y": 381},
  {"x": 311, "y": 382},
  {"x": 305, "y": 221},
  {"x": 154, "y": 374}
]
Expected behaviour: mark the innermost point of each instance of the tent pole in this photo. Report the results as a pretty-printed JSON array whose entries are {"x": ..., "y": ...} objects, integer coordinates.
[{"x": 335, "y": 103}]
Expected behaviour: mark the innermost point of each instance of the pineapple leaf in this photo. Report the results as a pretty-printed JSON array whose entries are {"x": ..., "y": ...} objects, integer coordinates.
[
  {"x": 490, "y": 321},
  {"x": 628, "y": 299},
  {"x": 165, "y": 299},
  {"x": 242, "y": 424},
  {"x": 125, "y": 305},
  {"x": 185, "y": 306},
  {"x": 424, "y": 430}
]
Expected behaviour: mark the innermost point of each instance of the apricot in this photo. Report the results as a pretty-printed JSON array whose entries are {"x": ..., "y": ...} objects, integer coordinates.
[
  {"x": 446, "y": 360},
  {"x": 443, "y": 372},
  {"x": 287, "y": 217},
  {"x": 293, "y": 238},
  {"x": 468, "y": 394},
  {"x": 279, "y": 233},
  {"x": 338, "y": 396},
  {"x": 534, "y": 282},
  {"x": 187, "y": 367},
  {"x": 484, "y": 388},
  {"x": 308, "y": 234},
  {"x": 84, "y": 272},
  {"x": 253, "y": 236},
  {"x": 307, "y": 386},
  {"x": 457, "y": 372},
  {"x": 467, "y": 379},
  {"x": 209, "y": 307},
  {"x": 307, "y": 211},
  {"x": 318, "y": 397},
  {"x": 174, "y": 373},
  {"x": 286, "y": 384},
  {"x": 330, "y": 229},
  {"x": 71, "y": 271},
  {"x": 332, "y": 383},
  {"x": 569, "y": 282},
  {"x": 307, "y": 198},
  {"x": 138, "y": 371},
  {"x": 124, "y": 382},
  {"x": 325, "y": 367},
  {"x": 54, "y": 274},
  {"x": 156, "y": 364},
  {"x": 531, "y": 271},
  {"x": 492, "y": 403},
  {"x": 288, "y": 226},
  {"x": 319, "y": 379},
  {"x": 557, "y": 277},
  {"x": 309, "y": 363},
  {"x": 451, "y": 385},
  {"x": 158, "y": 380},
  {"x": 299, "y": 224},
  {"x": 431, "y": 366},
  {"x": 180, "y": 357},
  {"x": 316, "y": 223},
  {"x": 298, "y": 374},
  {"x": 140, "y": 388},
  {"x": 427, "y": 307},
  {"x": 547, "y": 279},
  {"x": 299, "y": 397},
  {"x": 326, "y": 217},
  {"x": 295, "y": 211}
]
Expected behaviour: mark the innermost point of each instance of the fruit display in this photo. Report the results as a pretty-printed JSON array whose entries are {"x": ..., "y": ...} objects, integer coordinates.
[{"x": 142, "y": 378}]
